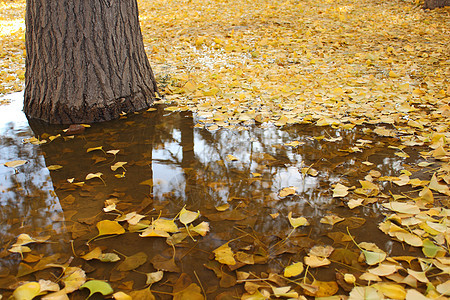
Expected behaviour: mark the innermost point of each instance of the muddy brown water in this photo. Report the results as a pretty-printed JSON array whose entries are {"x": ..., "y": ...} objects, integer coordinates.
[{"x": 188, "y": 167}]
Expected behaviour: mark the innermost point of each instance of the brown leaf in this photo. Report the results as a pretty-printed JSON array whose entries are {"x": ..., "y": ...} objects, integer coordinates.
[{"x": 132, "y": 262}]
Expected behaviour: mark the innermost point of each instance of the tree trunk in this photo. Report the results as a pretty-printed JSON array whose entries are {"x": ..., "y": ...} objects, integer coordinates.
[
  {"x": 432, "y": 4},
  {"x": 85, "y": 61}
]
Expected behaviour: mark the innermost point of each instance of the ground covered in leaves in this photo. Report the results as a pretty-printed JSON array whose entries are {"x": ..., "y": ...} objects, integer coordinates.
[{"x": 376, "y": 68}]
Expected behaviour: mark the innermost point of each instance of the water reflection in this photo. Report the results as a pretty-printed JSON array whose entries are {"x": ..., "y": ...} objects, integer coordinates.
[{"x": 179, "y": 165}]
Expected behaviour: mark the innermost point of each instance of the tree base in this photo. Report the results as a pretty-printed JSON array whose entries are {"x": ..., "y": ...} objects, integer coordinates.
[{"x": 64, "y": 114}]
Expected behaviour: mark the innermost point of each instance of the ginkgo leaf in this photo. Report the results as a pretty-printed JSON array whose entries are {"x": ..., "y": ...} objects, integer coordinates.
[
  {"x": 54, "y": 167},
  {"x": 293, "y": 270},
  {"x": 97, "y": 286},
  {"x": 95, "y": 149},
  {"x": 73, "y": 279},
  {"x": 187, "y": 216},
  {"x": 202, "y": 228},
  {"x": 444, "y": 288},
  {"x": 94, "y": 175},
  {"x": 151, "y": 231},
  {"x": 121, "y": 296},
  {"x": 154, "y": 277},
  {"x": 331, "y": 220},
  {"x": 118, "y": 164},
  {"x": 340, "y": 190},
  {"x": 352, "y": 203},
  {"x": 107, "y": 227},
  {"x": 391, "y": 290},
  {"x": 366, "y": 293},
  {"x": 439, "y": 187},
  {"x": 113, "y": 152},
  {"x": 297, "y": 222},
  {"x": 15, "y": 163},
  {"x": 223, "y": 207},
  {"x": 231, "y": 158},
  {"x": 225, "y": 255},
  {"x": 314, "y": 261},
  {"x": 287, "y": 191},
  {"x": 167, "y": 225},
  {"x": 27, "y": 291},
  {"x": 132, "y": 262},
  {"x": 284, "y": 291},
  {"x": 384, "y": 269},
  {"x": 402, "y": 207}
]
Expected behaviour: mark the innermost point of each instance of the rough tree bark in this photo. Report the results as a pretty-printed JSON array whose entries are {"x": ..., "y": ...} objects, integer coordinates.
[
  {"x": 432, "y": 4},
  {"x": 85, "y": 61}
]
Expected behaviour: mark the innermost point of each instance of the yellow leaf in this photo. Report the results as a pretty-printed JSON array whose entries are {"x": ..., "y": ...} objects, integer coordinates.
[
  {"x": 167, "y": 225},
  {"x": 391, "y": 290},
  {"x": 316, "y": 261},
  {"x": 153, "y": 232},
  {"x": 401, "y": 207},
  {"x": 73, "y": 279},
  {"x": 187, "y": 216},
  {"x": 54, "y": 167},
  {"x": 201, "y": 228},
  {"x": 121, "y": 296},
  {"x": 95, "y": 149},
  {"x": 349, "y": 278},
  {"x": 384, "y": 269},
  {"x": 93, "y": 175},
  {"x": 107, "y": 227},
  {"x": 231, "y": 158},
  {"x": 225, "y": 255},
  {"x": 117, "y": 165},
  {"x": 352, "y": 203},
  {"x": 293, "y": 270},
  {"x": 15, "y": 163},
  {"x": 439, "y": 187},
  {"x": 296, "y": 222},
  {"x": 287, "y": 191},
  {"x": 27, "y": 291},
  {"x": 223, "y": 207},
  {"x": 284, "y": 291},
  {"x": 331, "y": 220}
]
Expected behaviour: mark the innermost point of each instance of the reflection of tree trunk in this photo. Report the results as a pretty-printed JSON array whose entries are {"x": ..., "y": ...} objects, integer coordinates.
[{"x": 187, "y": 140}]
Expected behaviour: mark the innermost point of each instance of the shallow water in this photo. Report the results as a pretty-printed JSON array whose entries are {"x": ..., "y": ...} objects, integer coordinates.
[{"x": 188, "y": 166}]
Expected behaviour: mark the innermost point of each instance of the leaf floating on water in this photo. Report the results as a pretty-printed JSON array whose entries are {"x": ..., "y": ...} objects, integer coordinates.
[
  {"x": 297, "y": 222},
  {"x": 187, "y": 216},
  {"x": 113, "y": 152},
  {"x": 293, "y": 270},
  {"x": 225, "y": 255},
  {"x": 154, "y": 277},
  {"x": 97, "y": 286},
  {"x": 95, "y": 149},
  {"x": 122, "y": 296},
  {"x": 287, "y": 191},
  {"x": 27, "y": 291},
  {"x": 202, "y": 228},
  {"x": 73, "y": 279},
  {"x": 340, "y": 190},
  {"x": 15, "y": 163},
  {"x": 118, "y": 165},
  {"x": 231, "y": 158},
  {"x": 331, "y": 220},
  {"x": 54, "y": 167}
]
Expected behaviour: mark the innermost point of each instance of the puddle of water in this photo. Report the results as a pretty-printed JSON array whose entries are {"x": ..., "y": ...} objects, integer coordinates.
[{"x": 188, "y": 167}]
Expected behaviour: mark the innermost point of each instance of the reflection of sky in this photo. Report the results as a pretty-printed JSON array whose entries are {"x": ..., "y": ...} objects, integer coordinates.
[{"x": 26, "y": 196}]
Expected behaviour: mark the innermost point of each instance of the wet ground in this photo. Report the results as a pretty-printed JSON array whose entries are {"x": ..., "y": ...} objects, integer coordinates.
[{"x": 234, "y": 177}]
